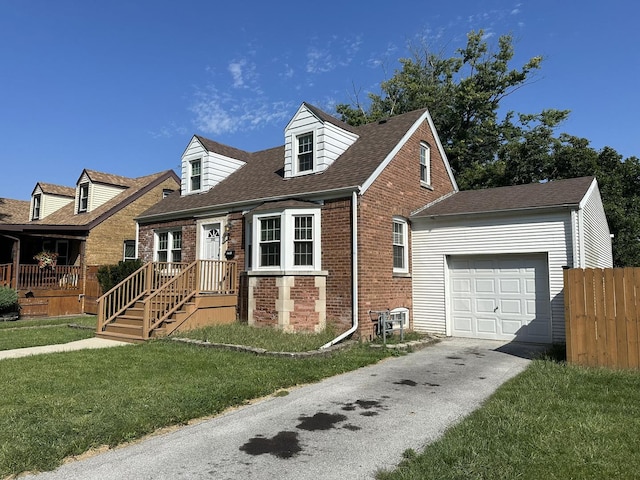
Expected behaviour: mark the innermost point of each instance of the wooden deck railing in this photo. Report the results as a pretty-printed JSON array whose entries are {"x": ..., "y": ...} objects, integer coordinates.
[
  {"x": 142, "y": 282},
  {"x": 164, "y": 288},
  {"x": 5, "y": 274},
  {"x": 61, "y": 277}
]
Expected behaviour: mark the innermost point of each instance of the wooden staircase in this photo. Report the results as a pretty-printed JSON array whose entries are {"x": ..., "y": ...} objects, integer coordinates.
[
  {"x": 129, "y": 325},
  {"x": 148, "y": 305}
]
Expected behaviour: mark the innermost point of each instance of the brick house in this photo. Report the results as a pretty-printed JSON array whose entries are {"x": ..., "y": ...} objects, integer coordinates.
[
  {"x": 320, "y": 226},
  {"x": 83, "y": 227}
]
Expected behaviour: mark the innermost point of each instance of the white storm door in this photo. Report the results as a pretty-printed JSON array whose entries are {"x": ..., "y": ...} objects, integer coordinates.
[
  {"x": 210, "y": 250},
  {"x": 211, "y": 241}
]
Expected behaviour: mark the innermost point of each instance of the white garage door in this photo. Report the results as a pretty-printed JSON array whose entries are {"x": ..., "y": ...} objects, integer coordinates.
[{"x": 501, "y": 297}]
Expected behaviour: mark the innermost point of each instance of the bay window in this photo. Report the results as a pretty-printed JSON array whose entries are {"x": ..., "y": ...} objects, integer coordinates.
[{"x": 285, "y": 240}]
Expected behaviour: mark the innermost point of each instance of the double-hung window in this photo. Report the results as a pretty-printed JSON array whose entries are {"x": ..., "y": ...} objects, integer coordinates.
[
  {"x": 303, "y": 240},
  {"x": 169, "y": 246},
  {"x": 400, "y": 246},
  {"x": 286, "y": 240},
  {"x": 83, "y": 198},
  {"x": 425, "y": 163},
  {"x": 305, "y": 152},
  {"x": 270, "y": 242},
  {"x": 35, "y": 215},
  {"x": 195, "y": 175}
]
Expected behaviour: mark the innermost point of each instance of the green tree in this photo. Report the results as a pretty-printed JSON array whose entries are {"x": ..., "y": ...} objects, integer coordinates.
[{"x": 464, "y": 95}]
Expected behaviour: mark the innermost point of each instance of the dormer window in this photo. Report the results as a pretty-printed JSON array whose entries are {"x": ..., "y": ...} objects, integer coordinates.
[
  {"x": 35, "y": 214},
  {"x": 305, "y": 152},
  {"x": 83, "y": 199},
  {"x": 195, "y": 175}
]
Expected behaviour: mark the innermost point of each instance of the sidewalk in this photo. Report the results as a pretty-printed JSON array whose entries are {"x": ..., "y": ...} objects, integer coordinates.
[{"x": 64, "y": 347}]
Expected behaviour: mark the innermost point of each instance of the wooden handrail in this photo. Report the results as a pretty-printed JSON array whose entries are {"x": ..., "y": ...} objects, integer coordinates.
[
  {"x": 163, "y": 288},
  {"x": 201, "y": 276},
  {"x": 143, "y": 281}
]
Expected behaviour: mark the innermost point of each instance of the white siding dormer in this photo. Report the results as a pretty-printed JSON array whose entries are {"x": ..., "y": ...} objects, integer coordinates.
[
  {"x": 44, "y": 203},
  {"x": 312, "y": 142},
  {"x": 213, "y": 168}
]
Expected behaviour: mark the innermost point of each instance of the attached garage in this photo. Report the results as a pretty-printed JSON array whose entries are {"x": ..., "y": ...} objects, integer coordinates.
[{"x": 489, "y": 263}]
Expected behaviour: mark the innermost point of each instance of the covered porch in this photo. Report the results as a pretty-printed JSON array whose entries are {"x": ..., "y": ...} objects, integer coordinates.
[{"x": 54, "y": 283}]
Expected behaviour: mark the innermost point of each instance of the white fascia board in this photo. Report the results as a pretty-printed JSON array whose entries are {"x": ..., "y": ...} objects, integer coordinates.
[
  {"x": 587, "y": 196},
  {"x": 405, "y": 138},
  {"x": 295, "y": 115},
  {"x": 189, "y": 145}
]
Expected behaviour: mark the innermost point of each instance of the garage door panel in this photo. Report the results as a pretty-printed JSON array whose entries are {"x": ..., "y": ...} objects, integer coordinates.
[
  {"x": 485, "y": 285},
  {"x": 510, "y": 285},
  {"x": 511, "y": 327},
  {"x": 463, "y": 324},
  {"x": 462, "y": 305},
  {"x": 461, "y": 286},
  {"x": 485, "y": 305},
  {"x": 511, "y": 307},
  {"x": 516, "y": 284},
  {"x": 487, "y": 325}
]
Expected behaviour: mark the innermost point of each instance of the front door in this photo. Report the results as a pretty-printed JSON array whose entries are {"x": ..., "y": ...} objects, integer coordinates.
[
  {"x": 210, "y": 251},
  {"x": 211, "y": 241}
]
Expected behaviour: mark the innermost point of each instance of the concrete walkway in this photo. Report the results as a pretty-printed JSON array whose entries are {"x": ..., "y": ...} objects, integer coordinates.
[
  {"x": 345, "y": 427},
  {"x": 64, "y": 347}
]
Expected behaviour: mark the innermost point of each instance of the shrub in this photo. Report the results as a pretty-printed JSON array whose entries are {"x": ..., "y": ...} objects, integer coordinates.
[
  {"x": 111, "y": 275},
  {"x": 8, "y": 300}
]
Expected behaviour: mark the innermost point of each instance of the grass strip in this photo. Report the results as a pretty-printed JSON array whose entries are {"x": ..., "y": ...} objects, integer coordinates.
[
  {"x": 35, "y": 337},
  {"x": 57, "y": 405},
  {"x": 85, "y": 320},
  {"x": 553, "y": 421},
  {"x": 267, "y": 338}
]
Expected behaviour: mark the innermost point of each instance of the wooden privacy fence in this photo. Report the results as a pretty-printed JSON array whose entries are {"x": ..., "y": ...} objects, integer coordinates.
[{"x": 602, "y": 318}]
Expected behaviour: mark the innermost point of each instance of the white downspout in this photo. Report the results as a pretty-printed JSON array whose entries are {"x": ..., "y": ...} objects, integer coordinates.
[{"x": 354, "y": 273}]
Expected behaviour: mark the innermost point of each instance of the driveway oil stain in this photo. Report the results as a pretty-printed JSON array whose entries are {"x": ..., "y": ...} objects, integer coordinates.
[
  {"x": 369, "y": 413},
  {"x": 453, "y": 357},
  {"x": 432, "y": 384},
  {"x": 409, "y": 383},
  {"x": 320, "y": 421},
  {"x": 283, "y": 445},
  {"x": 351, "y": 427},
  {"x": 367, "y": 404}
]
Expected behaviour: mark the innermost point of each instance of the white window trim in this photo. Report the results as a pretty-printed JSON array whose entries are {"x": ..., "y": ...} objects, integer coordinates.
[
  {"x": 295, "y": 135},
  {"x": 405, "y": 244},
  {"x": 425, "y": 181},
  {"x": 156, "y": 244},
  {"x": 37, "y": 206},
  {"x": 287, "y": 228},
  {"x": 80, "y": 188},
  {"x": 190, "y": 175}
]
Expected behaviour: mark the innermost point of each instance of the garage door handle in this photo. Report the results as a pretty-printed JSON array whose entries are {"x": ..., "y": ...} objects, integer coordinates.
[{"x": 495, "y": 310}]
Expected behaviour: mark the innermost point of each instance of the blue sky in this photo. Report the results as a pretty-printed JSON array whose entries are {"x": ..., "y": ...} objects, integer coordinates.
[{"x": 121, "y": 86}]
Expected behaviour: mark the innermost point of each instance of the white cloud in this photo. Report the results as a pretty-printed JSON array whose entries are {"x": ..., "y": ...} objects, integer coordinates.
[
  {"x": 168, "y": 131},
  {"x": 217, "y": 113},
  {"x": 235, "y": 68}
]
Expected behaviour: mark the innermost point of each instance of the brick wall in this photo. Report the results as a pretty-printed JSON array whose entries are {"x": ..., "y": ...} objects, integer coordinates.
[
  {"x": 396, "y": 192},
  {"x": 337, "y": 260},
  {"x": 189, "y": 234},
  {"x": 105, "y": 243}
]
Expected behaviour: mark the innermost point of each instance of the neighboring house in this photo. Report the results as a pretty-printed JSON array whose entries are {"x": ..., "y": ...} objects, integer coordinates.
[
  {"x": 83, "y": 227},
  {"x": 342, "y": 222}
]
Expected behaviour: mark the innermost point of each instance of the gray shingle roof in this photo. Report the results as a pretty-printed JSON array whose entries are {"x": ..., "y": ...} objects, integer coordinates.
[
  {"x": 262, "y": 177},
  {"x": 14, "y": 211},
  {"x": 519, "y": 197},
  {"x": 59, "y": 190}
]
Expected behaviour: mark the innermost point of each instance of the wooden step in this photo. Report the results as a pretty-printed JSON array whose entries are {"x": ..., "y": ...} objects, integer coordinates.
[
  {"x": 120, "y": 337},
  {"x": 129, "y": 320},
  {"x": 124, "y": 329}
]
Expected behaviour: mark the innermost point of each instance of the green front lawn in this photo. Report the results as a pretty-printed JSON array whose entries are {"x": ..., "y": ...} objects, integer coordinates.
[
  {"x": 56, "y": 405},
  {"x": 553, "y": 421},
  {"x": 50, "y": 331}
]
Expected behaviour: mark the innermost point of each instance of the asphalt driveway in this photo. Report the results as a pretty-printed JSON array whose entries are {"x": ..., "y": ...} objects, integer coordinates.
[{"x": 346, "y": 427}]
